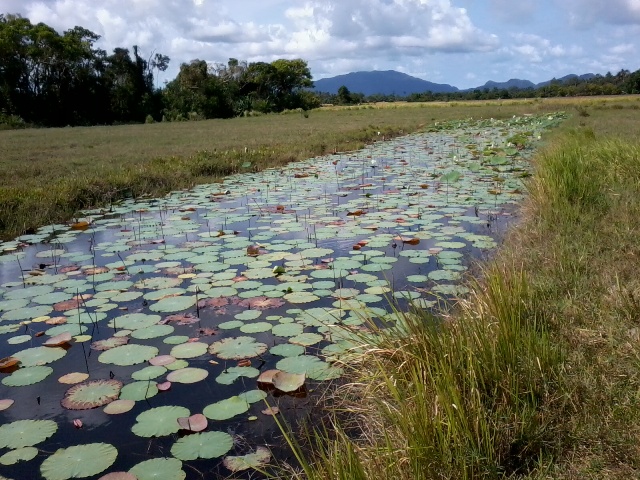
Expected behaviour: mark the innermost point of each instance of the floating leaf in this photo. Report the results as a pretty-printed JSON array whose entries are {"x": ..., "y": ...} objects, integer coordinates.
[
  {"x": 237, "y": 348},
  {"x": 19, "y": 455},
  {"x": 32, "y": 357},
  {"x": 128, "y": 355},
  {"x": 79, "y": 461},
  {"x": 119, "y": 406},
  {"x": 194, "y": 423},
  {"x": 288, "y": 382},
  {"x": 202, "y": 445},
  {"x": 5, "y": 403},
  {"x": 189, "y": 350},
  {"x": 188, "y": 375},
  {"x": 26, "y": 433},
  {"x": 159, "y": 469},
  {"x": 173, "y": 304},
  {"x": 27, "y": 376},
  {"x": 253, "y": 460},
  {"x": 231, "y": 374},
  {"x": 109, "y": 343},
  {"x": 159, "y": 421},
  {"x": 226, "y": 409},
  {"x": 138, "y": 391},
  {"x": 95, "y": 393}
]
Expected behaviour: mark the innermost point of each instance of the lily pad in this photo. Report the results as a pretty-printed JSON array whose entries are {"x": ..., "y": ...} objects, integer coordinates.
[
  {"x": 253, "y": 460},
  {"x": 226, "y": 409},
  {"x": 119, "y": 406},
  {"x": 237, "y": 348},
  {"x": 288, "y": 382},
  {"x": 189, "y": 350},
  {"x": 159, "y": 469},
  {"x": 128, "y": 355},
  {"x": 231, "y": 374},
  {"x": 138, "y": 391},
  {"x": 23, "y": 454},
  {"x": 173, "y": 304},
  {"x": 188, "y": 375},
  {"x": 27, "y": 376},
  {"x": 95, "y": 393},
  {"x": 202, "y": 445},
  {"x": 32, "y": 357},
  {"x": 159, "y": 421},
  {"x": 26, "y": 433},
  {"x": 79, "y": 461}
]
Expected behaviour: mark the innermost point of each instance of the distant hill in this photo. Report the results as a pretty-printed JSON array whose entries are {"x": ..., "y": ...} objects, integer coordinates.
[
  {"x": 512, "y": 83},
  {"x": 567, "y": 79},
  {"x": 381, "y": 82},
  {"x": 390, "y": 82}
]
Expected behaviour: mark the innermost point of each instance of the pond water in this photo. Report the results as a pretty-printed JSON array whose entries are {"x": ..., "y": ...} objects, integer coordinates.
[{"x": 175, "y": 306}]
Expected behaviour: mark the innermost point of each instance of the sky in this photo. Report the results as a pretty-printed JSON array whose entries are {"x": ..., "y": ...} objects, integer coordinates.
[{"x": 460, "y": 42}]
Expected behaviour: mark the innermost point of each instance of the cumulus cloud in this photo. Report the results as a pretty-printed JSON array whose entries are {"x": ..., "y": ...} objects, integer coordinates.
[{"x": 584, "y": 13}]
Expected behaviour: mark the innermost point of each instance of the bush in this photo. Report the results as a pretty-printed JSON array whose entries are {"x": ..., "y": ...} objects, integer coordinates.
[{"x": 149, "y": 119}]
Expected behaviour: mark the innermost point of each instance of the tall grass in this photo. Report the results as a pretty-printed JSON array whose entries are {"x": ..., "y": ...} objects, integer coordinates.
[{"x": 536, "y": 374}]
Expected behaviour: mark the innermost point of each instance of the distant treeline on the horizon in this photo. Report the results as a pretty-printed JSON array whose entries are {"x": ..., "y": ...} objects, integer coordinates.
[{"x": 53, "y": 79}]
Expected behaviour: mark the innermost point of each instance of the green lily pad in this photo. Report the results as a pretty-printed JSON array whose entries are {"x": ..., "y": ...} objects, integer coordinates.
[
  {"x": 231, "y": 374},
  {"x": 26, "y": 433},
  {"x": 159, "y": 421},
  {"x": 128, "y": 355},
  {"x": 79, "y": 461},
  {"x": 253, "y": 396},
  {"x": 153, "y": 331},
  {"x": 202, "y": 445},
  {"x": 138, "y": 391},
  {"x": 189, "y": 350},
  {"x": 134, "y": 321},
  {"x": 306, "y": 339},
  {"x": 237, "y": 348},
  {"x": 226, "y": 409},
  {"x": 173, "y": 304},
  {"x": 27, "y": 376},
  {"x": 188, "y": 375},
  {"x": 287, "y": 350},
  {"x": 23, "y": 454},
  {"x": 149, "y": 373},
  {"x": 159, "y": 469}
]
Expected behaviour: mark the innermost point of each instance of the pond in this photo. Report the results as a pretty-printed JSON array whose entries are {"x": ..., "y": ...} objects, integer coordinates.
[{"x": 160, "y": 336}]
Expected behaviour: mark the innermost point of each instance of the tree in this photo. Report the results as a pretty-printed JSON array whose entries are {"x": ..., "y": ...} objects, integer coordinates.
[{"x": 344, "y": 96}]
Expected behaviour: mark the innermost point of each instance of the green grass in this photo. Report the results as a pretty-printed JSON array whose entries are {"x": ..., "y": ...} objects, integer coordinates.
[
  {"x": 536, "y": 374},
  {"x": 48, "y": 175}
]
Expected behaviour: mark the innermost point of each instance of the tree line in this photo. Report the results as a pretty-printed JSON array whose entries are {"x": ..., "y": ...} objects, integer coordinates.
[{"x": 53, "y": 79}]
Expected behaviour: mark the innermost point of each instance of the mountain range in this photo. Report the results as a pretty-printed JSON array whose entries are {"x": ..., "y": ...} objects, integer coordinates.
[{"x": 390, "y": 82}]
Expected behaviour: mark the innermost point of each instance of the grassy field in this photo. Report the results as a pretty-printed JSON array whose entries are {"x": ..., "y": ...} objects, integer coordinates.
[
  {"x": 48, "y": 175},
  {"x": 536, "y": 374}
]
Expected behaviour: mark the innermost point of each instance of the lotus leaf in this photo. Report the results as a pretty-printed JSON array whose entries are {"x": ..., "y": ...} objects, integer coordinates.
[
  {"x": 134, "y": 321},
  {"x": 159, "y": 469},
  {"x": 253, "y": 460},
  {"x": 253, "y": 396},
  {"x": 23, "y": 454},
  {"x": 194, "y": 423},
  {"x": 231, "y": 374},
  {"x": 149, "y": 373},
  {"x": 287, "y": 350},
  {"x": 202, "y": 445},
  {"x": 119, "y": 406},
  {"x": 257, "y": 327},
  {"x": 306, "y": 339},
  {"x": 288, "y": 382},
  {"x": 128, "y": 355},
  {"x": 109, "y": 343},
  {"x": 189, "y": 350},
  {"x": 27, "y": 376},
  {"x": 159, "y": 421},
  {"x": 188, "y": 375},
  {"x": 226, "y": 409},
  {"x": 237, "y": 348},
  {"x": 137, "y": 391},
  {"x": 26, "y": 433},
  {"x": 173, "y": 304},
  {"x": 92, "y": 394},
  {"x": 79, "y": 461},
  {"x": 153, "y": 331}
]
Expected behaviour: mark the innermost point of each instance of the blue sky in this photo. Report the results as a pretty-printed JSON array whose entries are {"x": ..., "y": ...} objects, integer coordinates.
[{"x": 460, "y": 42}]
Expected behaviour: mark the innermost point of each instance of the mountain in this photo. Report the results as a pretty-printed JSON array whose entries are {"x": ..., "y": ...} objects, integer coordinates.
[
  {"x": 382, "y": 82},
  {"x": 512, "y": 83},
  {"x": 567, "y": 79}
]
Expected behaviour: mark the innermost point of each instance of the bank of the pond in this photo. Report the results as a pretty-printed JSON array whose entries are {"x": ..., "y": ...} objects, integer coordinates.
[{"x": 536, "y": 375}]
